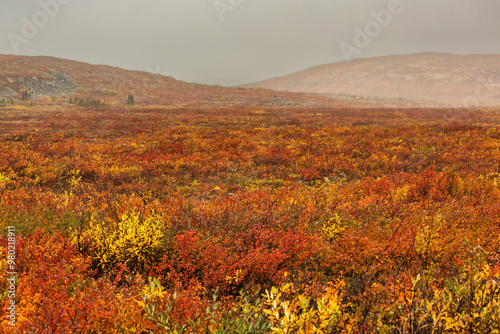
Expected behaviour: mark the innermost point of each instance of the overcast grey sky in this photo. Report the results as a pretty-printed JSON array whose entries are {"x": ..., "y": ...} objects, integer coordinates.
[{"x": 231, "y": 42}]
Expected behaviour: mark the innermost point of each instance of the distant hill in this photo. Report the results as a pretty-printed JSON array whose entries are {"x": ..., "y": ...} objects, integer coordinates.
[
  {"x": 432, "y": 79},
  {"x": 48, "y": 76}
]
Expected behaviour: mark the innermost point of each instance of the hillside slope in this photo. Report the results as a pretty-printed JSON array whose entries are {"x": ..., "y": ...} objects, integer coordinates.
[
  {"x": 428, "y": 78},
  {"x": 48, "y": 76}
]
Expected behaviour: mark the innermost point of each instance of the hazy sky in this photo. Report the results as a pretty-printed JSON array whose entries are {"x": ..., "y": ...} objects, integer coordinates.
[{"x": 231, "y": 42}]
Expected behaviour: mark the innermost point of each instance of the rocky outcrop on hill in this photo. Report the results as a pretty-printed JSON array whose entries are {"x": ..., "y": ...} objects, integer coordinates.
[{"x": 53, "y": 82}]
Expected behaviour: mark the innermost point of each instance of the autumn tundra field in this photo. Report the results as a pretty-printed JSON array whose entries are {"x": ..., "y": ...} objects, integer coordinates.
[
  {"x": 218, "y": 218},
  {"x": 276, "y": 220}
]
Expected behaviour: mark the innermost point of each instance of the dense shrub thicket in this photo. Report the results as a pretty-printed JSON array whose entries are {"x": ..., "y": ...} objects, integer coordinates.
[{"x": 246, "y": 221}]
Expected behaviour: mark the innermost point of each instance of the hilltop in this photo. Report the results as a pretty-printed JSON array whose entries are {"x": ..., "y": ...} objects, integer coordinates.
[
  {"x": 60, "y": 78},
  {"x": 432, "y": 79}
]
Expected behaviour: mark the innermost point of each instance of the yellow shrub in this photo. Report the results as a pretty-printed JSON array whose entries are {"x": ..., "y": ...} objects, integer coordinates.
[
  {"x": 401, "y": 194},
  {"x": 3, "y": 180},
  {"x": 333, "y": 228},
  {"x": 234, "y": 279},
  {"x": 152, "y": 290},
  {"x": 134, "y": 240},
  {"x": 427, "y": 239},
  {"x": 302, "y": 314},
  {"x": 469, "y": 303}
]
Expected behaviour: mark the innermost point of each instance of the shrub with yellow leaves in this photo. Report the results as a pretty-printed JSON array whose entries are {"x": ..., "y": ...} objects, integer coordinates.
[
  {"x": 3, "y": 180},
  {"x": 469, "y": 303},
  {"x": 290, "y": 312},
  {"x": 234, "y": 279},
  {"x": 333, "y": 228},
  {"x": 401, "y": 194},
  {"x": 134, "y": 240},
  {"x": 153, "y": 289}
]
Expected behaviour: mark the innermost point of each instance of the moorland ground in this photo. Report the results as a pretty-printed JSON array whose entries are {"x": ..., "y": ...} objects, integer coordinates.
[{"x": 250, "y": 220}]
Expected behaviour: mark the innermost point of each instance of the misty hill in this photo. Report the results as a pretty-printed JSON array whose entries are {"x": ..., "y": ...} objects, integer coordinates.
[
  {"x": 48, "y": 77},
  {"x": 426, "y": 79}
]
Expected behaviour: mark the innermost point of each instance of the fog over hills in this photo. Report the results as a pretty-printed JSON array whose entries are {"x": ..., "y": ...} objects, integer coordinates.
[
  {"x": 425, "y": 78},
  {"x": 417, "y": 80}
]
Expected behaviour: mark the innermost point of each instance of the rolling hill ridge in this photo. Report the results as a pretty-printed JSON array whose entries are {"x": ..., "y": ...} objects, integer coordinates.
[
  {"x": 53, "y": 77},
  {"x": 427, "y": 78}
]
